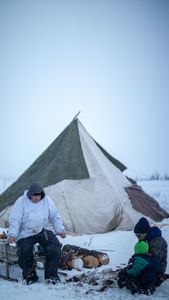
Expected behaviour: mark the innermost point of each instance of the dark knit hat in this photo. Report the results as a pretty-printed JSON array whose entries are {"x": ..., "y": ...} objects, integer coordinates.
[
  {"x": 142, "y": 226},
  {"x": 141, "y": 247}
]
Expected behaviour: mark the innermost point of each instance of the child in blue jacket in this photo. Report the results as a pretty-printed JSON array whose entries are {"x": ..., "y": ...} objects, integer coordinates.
[{"x": 141, "y": 274}]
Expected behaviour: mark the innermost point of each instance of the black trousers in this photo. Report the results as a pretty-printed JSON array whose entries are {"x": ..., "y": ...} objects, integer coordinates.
[{"x": 52, "y": 251}]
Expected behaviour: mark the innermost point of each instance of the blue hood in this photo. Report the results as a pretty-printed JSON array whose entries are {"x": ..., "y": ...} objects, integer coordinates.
[{"x": 153, "y": 233}]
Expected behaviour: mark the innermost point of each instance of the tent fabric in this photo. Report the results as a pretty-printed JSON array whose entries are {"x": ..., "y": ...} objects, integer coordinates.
[
  {"x": 114, "y": 161},
  {"x": 142, "y": 202},
  {"x": 63, "y": 159},
  {"x": 84, "y": 181}
]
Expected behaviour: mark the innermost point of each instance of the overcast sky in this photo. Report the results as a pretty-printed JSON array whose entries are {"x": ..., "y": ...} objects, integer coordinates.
[{"x": 107, "y": 58}]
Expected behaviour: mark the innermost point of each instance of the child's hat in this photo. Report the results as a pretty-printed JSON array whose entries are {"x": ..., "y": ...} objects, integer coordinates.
[{"x": 141, "y": 247}]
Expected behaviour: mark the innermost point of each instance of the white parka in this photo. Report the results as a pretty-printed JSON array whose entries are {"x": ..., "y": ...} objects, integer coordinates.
[{"x": 28, "y": 218}]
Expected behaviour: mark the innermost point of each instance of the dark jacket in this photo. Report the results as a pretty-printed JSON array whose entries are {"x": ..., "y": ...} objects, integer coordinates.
[
  {"x": 145, "y": 267},
  {"x": 158, "y": 247}
]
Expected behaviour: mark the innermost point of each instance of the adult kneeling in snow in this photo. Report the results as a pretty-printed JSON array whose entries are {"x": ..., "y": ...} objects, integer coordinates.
[{"x": 157, "y": 245}]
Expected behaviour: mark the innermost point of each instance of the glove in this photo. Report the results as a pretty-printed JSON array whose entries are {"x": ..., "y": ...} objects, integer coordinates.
[
  {"x": 11, "y": 239},
  {"x": 62, "y": 234}
]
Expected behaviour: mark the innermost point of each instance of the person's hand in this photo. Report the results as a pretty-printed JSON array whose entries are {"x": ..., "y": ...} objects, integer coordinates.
[
  {"x": 130, "y": 260},
  {"x": 62, "y": 234},
  {"x": 11, "y": 240}
]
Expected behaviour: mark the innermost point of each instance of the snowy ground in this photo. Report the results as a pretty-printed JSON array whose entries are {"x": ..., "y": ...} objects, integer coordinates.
[{"x": 118, "y": 245}]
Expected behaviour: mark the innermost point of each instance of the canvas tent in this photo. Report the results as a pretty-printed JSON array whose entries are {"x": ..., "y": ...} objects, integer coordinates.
[{"x": 85, "y": 182}]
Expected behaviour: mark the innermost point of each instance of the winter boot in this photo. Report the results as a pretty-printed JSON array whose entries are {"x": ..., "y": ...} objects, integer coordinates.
[
  {"x": 53, "y": 280},
  {"x": 31, "y": 278},
  {"x": 121, "y": 283}
]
